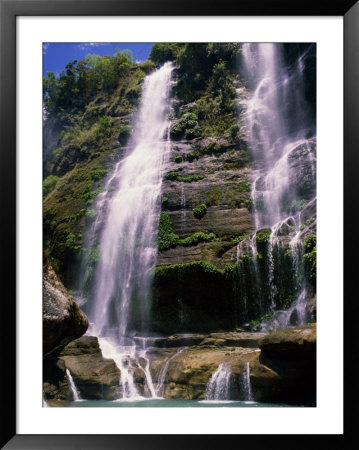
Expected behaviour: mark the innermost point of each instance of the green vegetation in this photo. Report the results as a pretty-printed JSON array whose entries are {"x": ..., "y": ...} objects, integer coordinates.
[
  {"x": 185, "y": 127},
  {"x": 49, "y": 184},
  {"x": 175, "y": 176},
  {"x": 214, "y": 196},
  {"x": 90, "y": 213},
  {"x": 297, "y": 205},
  {"x": 87, "y": 108},
  {"x": 163, "y": 52},
  {"x": 213, "y": 148},
  {"x": 76, "y": 84},
  {"x": 166, "y": 237},
  {"x": 177, "y": 159},
  {"x": 206, "y": 74},
  {"x": 196, "y": 238},
  {"x": 310, "y": 256},
  {"x": 307, "y": 223},
  {"x": 166, "y": 272},
  {"x": 124, "y": 134},
  {"x": 200, "y": 211},
  {"x": 262, "y": 236}
]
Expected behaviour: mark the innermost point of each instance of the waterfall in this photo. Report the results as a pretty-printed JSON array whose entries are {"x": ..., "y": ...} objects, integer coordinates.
[
  {"x": 124, "y": 233},
  {"x": 247, "y": 390},
  {"x": 277, "y": 126},
  {"x": 218, "y": 384},
  {"x": 163, "y": 373},
  {"x": 74, "y": 391}
]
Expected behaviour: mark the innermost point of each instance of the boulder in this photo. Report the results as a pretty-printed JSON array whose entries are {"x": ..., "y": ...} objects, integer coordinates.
[
  {"x": 233, "y": 339},
  {"x": 63, "y": 320},
  {"x": 290, "y": 343},
  {"x": 56, "y": 390},
  {"x": 95, "y": 377},
  {"x": 178, "y": 340}
]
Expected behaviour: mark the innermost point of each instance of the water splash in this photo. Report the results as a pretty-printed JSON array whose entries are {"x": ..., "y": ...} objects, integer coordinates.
[
  {"x": 124, "y": 357},
  {"x": 218, "y": 384},
  {"x": 163, "y": 373},
  {"x": 74, "y": 391},
  {"x": 246, "y": 383}
]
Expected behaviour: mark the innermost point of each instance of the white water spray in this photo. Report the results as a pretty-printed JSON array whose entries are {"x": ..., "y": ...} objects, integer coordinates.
[
  {"x": 218, "y": 384},
  {"x": 129, "y": 214},
  {"x": 74, "y": 391},
  {"x": 163, "y": 373},
  {"x": 279, "y": 143},
  {"x": 247, "y": 389}
]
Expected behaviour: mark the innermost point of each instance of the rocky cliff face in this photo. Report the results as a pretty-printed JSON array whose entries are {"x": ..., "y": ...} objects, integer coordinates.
[{"x": 217, "y": 174}]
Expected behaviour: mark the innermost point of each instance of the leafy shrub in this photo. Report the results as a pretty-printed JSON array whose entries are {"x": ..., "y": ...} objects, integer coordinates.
[
  {"x": 166, "y": 237},
  {"x": 262, "y": 236},
  {"x": 90, "y": 213},
  {"x": 187, "y": 121},
  {"x": 175, "y": 176},
  {"x": 196, "y": 238},
  {"x": 200, "y": 211},
  {"x": 98, "y": 174},
  {"x": 234, "y": 130},
  {"x": 177, "y": 159},
  {"x": 124, "y": 134},
  {"x": 49, "y": 184},
  {"x": 310, "y": 256}
]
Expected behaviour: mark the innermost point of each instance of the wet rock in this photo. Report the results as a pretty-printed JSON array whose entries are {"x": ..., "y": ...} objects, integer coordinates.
[
  {"x": 233, "y": 339},
  {"x": 55, "y": 383},
  {"x": 179, "y": 340},
  {"x": 95, "y": 377},
  {"x": 290, "y": 343},
  {"x": 289, "y": 378},
  {"x": 63, "y": 320}
]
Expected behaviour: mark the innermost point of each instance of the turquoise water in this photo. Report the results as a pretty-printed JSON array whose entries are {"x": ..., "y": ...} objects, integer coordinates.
[{"x": 158, "y": 403}]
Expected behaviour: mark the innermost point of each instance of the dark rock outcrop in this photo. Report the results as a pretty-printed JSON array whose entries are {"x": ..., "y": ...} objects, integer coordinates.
[
  {"x": 63, "y": 320},
  {"x": 56, "y": 390}
]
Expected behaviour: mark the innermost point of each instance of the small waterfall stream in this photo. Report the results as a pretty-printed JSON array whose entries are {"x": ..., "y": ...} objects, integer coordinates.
[
  {"x": 218, "y": 384},
  {"x": 163, "y": 373},
  {"x": 247, "y": 389},
  {"x": 74, "y": 391}
]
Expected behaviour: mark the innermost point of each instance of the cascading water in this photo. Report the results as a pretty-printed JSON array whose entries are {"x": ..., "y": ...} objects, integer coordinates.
[
  {"x": 163, "y": 373},
  {"x": 218, "y": 384},
  {"x": 127, "y": 222},
  {"x": 74, "y": 391},
  {"x": 247, "y": 389},
  {"x": 278, "y": 136}
]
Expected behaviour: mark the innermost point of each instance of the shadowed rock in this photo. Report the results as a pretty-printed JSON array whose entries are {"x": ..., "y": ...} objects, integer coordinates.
[
  {"x": 63, "y": 320},
  {"x": 95, "y": 377}
]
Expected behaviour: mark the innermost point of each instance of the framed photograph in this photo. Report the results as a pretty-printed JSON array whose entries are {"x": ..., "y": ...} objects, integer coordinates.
[{"x": 163, "y": 284}]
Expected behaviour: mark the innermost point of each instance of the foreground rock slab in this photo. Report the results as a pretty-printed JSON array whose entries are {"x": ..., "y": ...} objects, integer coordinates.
[
  {"x": 63, "y": 320},
  {"x": 95, "y": 377}
]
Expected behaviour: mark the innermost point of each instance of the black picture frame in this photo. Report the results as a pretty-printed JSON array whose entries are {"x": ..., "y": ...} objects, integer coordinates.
[{"x": 9, "y": 10}]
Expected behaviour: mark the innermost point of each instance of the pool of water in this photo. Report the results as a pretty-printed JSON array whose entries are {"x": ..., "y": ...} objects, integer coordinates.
[{"x": 163, "y": 403}]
